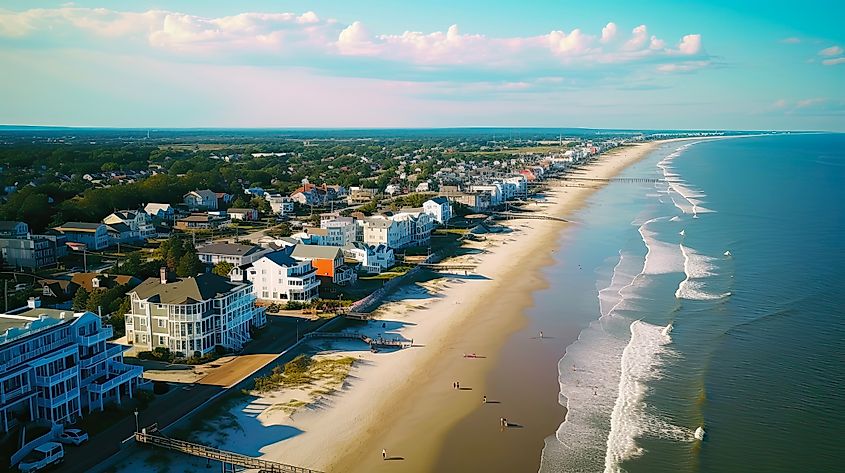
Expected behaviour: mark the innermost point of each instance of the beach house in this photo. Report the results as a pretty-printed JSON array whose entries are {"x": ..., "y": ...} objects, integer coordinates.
[
  {"x": 205, "y": 199},
  {"x": 95, "y": 236},
  {"x": 138, "y": 222},
  {"x": 277, "y": 277},
  {"x": 327, "y": 260},
  {"x": 373, "y": 259},
  {"x": 192, "y": 315},
  {"x": 439, "y": 209}
]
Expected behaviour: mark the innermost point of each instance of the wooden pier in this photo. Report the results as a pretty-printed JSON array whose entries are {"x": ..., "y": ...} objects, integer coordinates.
[
  {"x": 230, "y": 460},
  {"x": 372, "y": 342},
  {"x": 528, "y": 215}
]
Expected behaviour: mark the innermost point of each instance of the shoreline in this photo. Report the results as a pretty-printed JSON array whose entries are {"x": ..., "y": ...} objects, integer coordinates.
[
  {"x": 404, "y": 401},
  {"x": 413, "y": 423}
]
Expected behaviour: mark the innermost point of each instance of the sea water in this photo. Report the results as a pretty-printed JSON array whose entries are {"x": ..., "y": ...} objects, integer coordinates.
[{"x": 715, "y": 337}]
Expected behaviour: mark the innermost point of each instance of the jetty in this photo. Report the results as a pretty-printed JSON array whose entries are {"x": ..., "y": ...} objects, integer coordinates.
[{"x": 231, "y": 461}]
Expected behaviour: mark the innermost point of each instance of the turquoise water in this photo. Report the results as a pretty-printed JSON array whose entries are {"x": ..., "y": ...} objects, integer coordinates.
[{"x": 711, "y": 307}]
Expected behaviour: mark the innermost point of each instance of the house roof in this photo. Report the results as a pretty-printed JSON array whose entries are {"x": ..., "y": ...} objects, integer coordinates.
[
  {"x": 204, "y": 193},
  {"x": 282, "y": 258},
  {"x": 185, "y": 290},
  {"x": 86, "y": 280},
  {"x": 240, "y": 211},
  {"x": 316, "y": 231},
  {"x": 84, "y": 227},
  {"x": 118, "y": 227},
  {"x": 229, "y": 249},
  {"x": 316, "y": 252},
  {"x": 439, "y": 200}
]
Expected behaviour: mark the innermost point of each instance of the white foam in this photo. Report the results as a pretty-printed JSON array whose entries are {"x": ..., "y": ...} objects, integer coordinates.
[
  {"x": 662, "y": 257},
  {"x": 699, "y": 433},
  {"x": 691, "y": 203},
  {"x": 696, "y": 268},
  {"x": 640, "y": 362}
]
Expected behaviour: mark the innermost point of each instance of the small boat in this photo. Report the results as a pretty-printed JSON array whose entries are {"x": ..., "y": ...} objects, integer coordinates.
[{"x": 728, "y": 253}]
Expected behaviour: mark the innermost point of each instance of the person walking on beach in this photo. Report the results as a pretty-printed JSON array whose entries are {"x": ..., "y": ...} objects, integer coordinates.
[
  {"x": 383, "y": 454},
  {"x": 458, "y": 384},
  {"x": 484, "y": 400},
  {"x": 541, "y": 334}
]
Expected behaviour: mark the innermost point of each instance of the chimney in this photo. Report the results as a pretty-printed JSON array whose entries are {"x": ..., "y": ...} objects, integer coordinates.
[
  {"x": 33, "y": 302},
  {"x": 163, "y": 275}
]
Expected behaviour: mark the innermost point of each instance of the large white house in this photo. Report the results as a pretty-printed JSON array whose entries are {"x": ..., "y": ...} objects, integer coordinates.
[
  {"x": 201, "y": 199},
  {"x": 276, "y": 277},
  {"x": 439, "y": 209},
  {"x": 382, "y": 230},
  {"x": 280, "y": 204},
  {"x": 137, "y": 220},
  {"x": 342, "y": 231},
  {"x": 373, "y": 259},
  {"x": 192, "y": 315},
  {"x": 56, "y": 365}
]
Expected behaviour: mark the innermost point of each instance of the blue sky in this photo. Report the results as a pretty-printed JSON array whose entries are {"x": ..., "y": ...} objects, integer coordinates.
[{"x": 610, "y": 64}]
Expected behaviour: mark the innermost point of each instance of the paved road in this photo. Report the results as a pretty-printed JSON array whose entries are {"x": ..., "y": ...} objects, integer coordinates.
[{"x": 167, "y": 409}]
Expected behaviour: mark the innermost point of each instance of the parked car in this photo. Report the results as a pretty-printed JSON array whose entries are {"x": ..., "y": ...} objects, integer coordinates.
[
  {"x": 42, "y": 456},
  {"x": 73, "y": 436}
]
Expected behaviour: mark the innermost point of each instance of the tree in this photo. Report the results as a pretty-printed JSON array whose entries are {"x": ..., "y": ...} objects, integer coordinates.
[
  {"x": 189, "y": 265},
  {"x": 96, "y": 301},
  {"x": 222, "y": 268},
  {"x": 132, "y": 264},
  {"x": 80, "y": 299}
]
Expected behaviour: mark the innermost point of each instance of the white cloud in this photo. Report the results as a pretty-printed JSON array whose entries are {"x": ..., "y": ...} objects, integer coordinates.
[
  {"x": 271, "y": 37},
  {"x": 834, "y": 61},
  {"x": 608, "y": 32},
  {"x": 687, "y": 66},
  {"x": 690, "y": 44},
  {"x": 791, "y": 40},
  {"x": 638, "y": 40},
  {"x": 831, "y": 51}
]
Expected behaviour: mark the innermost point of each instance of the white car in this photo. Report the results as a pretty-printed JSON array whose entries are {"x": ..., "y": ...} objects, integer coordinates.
[
  {"x": 42, "y": 456},
  {"x": 73, "y": 436}
]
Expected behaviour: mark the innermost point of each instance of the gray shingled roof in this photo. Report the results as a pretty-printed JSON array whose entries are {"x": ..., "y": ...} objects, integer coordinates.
[
  {"x": 232, "y": 249},
  {"x": 316, "y": 251},
  {"x": 184, "y": 290}
]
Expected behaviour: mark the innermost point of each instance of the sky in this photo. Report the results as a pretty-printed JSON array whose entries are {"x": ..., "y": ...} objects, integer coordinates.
[{"x": 645, "y": 64}]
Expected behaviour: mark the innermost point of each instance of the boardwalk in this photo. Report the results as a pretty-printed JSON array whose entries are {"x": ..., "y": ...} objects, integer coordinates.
[
  {"x": 230, "y": 460},
  {"x": 372, "y": 342},
  {"x": 528, "y": 215}
]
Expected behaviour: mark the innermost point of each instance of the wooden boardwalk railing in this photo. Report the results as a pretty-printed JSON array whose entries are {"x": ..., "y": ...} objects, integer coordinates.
[{"x": 226, "y": 458}]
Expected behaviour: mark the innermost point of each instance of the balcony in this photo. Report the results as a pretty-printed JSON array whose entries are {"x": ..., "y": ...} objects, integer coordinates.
[
  {"x": 29, "y": 355},
  {"x": 105, "y": 333},
  {"x": 117, "y": 375},
  {"x": 58, "y": 377},
  {"x": 16, "y": 394},
  {"x": 58, "y": 400},
  {"x": 111, "y": 351}
]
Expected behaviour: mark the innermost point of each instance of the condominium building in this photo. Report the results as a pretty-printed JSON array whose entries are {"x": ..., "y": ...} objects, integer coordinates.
[
  {"x": 276, "y": 277},
  {"x": 57, "y": 365},
  {"x": 192, "y": 315},
  {"x": 95, "y": 236},
  {"x": 19, "y": 248}
]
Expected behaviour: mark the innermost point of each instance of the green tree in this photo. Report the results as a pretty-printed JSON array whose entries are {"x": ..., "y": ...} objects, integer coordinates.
[
  {"x": 222, "y": 268},
  {"x": 96, "y": 301},
  {"x": 80, "y": 299},
  {"x": 189, "y": 265}
]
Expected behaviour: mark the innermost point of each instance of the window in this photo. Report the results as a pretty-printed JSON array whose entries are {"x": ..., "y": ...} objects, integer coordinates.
[{"x": 160, "y": 323}]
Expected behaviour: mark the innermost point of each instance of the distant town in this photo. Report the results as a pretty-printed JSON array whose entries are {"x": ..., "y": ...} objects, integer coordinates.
[{"x": 126, "y": 251}]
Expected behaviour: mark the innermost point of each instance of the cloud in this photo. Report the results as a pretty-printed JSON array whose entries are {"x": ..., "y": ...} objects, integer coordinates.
[
  {"x": 814, "y": 106},
  {"x": 791, "y": 40},
  {"x": 638, "y": 40},
  {"x": 690, "y": 44},
  {"x": 834, "y": 61},
  {"x": 831, "y": 51},
  {"x": 309, "y": 40},
  {"x": 608, "y": 32}
]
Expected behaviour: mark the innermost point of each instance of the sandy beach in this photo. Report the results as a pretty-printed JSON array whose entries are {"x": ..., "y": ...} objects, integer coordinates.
[{"x": 404, "y": 401}]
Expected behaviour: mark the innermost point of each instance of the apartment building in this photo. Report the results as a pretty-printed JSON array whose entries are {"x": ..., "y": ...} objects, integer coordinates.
[
  {"x": 276, "y": 277},
  {"x": 57, "y": 365},
  {"x": 192, "y": 315},
  {"x": 439, "y": 209},
  {"x": 21, "y": 249}
]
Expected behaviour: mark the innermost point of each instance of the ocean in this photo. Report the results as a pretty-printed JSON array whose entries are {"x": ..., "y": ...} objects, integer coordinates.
[{"x": 710, "y": 304}]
